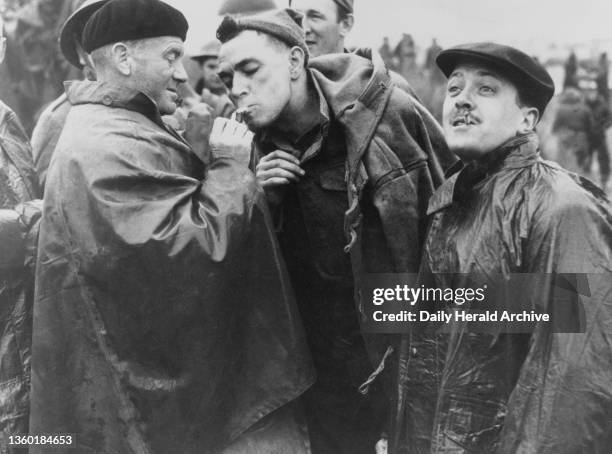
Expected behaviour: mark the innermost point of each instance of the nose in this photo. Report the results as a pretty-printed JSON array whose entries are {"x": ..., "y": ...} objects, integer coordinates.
[
  {"x": 239, "y": 87},
  {"x": 306, "y": 25},
  {"x": 464, "y": 100},
  {"x": 180, "y": 75}
]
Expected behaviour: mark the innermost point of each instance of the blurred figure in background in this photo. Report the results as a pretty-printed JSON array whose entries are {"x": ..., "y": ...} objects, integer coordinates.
[
  {"x": 51, "y": 121},
  {"x": 573, "y": 127},
  {"x": 601, "y": 79},
  {"x": 386, "y": 53},
  {"x": 600, "y": 111},
  {"x": 571, "y": 71},
  {"x": 209, "y": 86}
]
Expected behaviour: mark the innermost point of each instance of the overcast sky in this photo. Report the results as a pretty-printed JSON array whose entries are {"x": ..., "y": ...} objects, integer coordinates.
[{"x": 530, "y": 24}]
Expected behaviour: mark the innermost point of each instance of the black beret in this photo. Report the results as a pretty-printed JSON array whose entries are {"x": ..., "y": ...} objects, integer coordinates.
[
  {"x": 124, "y": 20},
  {"x": 283, "y": 24},
  {"x": 531, "y": 79},
  {"x": 73, "y": 29}
]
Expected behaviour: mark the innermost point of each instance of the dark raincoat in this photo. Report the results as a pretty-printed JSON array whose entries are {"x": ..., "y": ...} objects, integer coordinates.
[
  {"x": 542, "y": 392},
  {"x": 163, "y": 321},
  {"x": 395, "y": 156},
  {"x": 18, "y": 235}
]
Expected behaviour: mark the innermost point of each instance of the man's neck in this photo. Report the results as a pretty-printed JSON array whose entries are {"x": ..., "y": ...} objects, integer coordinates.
[{"x": 303, "y": 111}]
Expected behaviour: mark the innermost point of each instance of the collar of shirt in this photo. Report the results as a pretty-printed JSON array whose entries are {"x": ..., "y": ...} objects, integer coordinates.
[
  {"x": 308, "y": 144},
  {"x": 518, "y": 152}
]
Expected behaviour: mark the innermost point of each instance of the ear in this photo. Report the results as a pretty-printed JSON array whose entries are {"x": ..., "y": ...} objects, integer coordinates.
[
  {"x": 297, "y": 57},
  {"x": 530, "y": 119},
  {"x": 121, "y": 57},
  {"x": 346, "y": 25}
]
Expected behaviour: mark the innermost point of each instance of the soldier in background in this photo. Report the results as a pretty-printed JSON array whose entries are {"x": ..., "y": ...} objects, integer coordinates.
[
  {"x": 209, "y": 86},
  {"x": 51, "y": 121}
]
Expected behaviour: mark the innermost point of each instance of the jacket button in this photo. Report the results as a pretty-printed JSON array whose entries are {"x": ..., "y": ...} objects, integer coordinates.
[{"x": 107, "y": 100}]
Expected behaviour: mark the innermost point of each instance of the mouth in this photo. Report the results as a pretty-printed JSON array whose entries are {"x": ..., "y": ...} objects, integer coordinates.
[{"x": 464, "y": 120}]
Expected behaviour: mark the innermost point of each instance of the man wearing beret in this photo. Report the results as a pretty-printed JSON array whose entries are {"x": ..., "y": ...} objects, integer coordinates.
[
  {"x": 505, "y": 214},
  {"x": 347, "y": 163},
  {"x": 151, "y": 331}
]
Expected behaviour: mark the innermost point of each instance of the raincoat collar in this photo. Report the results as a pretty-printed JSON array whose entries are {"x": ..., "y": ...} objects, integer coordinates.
[
  {"x": 520, "y": 151},
  {"x": 90, "y": 92}
]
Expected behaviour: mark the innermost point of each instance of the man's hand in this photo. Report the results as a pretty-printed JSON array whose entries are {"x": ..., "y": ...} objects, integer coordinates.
[
  {"x": 198, "y": 129},
  {"x": 230, "y": 138},
  {"x": 278, "y": 168}
]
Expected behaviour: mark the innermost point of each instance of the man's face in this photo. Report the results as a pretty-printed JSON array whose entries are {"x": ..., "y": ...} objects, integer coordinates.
[
  {"x": 256, "y": 70},
  {"x": 480, "y": 111},
  {"x": 158, "y": 70},
  {"x": 324, "y": 34},
  {"x": 210, "y": 66}
]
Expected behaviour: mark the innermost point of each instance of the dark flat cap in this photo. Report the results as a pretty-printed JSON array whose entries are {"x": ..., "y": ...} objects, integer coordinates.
[
  {"x": 73, "y": 29},
  {"x": 531, "y": 79},
  {"x": 124, "y": 20},
  {"x": 283, "y": 24}
]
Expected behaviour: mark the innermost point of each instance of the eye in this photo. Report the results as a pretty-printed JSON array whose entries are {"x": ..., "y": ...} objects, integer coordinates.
[
  {"x": 487, "y": 90},
  {"x": 453, "y": 89},
  {"x": 250, "y": 69}
]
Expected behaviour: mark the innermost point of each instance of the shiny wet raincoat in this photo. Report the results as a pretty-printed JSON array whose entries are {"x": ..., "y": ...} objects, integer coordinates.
[
  {"x": 163, "y": 321},
  {"x": 18, "y": 235},
  {"x": 539, "y": 392}
]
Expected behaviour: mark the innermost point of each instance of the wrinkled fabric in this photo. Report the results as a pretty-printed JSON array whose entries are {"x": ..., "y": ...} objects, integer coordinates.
[
  {"x": 375, "y": 194},
  {"x": 152, "y": 333},
  {"x": 18, "y": 235},
  {"x": 542, "y": 392},
  {"x": 46, "y": 134}
]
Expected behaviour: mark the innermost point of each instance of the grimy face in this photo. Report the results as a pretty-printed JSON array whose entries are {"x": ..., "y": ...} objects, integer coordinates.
[
  {"x": 257, "y": 71},
  {"x": 324, "y": 34},
  {"x": 158, "y": 70},
  {"x": 481, "y": 111}
]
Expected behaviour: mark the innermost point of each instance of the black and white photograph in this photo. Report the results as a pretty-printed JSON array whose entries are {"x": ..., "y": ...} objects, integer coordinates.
[{"x": 305, "y": 227}]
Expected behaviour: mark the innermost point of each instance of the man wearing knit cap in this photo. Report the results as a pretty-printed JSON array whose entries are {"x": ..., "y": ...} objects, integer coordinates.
[
  {"x": 505, "y": 215},
  {"x": 347, "y": 164},
  {"x": 326, "y": 24},
  {"x": 151, "y": 333}
]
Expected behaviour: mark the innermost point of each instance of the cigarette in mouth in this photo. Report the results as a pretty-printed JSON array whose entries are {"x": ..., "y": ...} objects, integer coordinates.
[{"x": 239, "y": 114}]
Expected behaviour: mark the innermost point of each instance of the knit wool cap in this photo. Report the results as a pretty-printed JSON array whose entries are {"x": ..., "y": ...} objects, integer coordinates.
[
  {"x": 125, "y": 20},
  {"x": 72, "y": 30},
  {"x": 530, "y": 78},
  {"x": 283, "y": 24}
]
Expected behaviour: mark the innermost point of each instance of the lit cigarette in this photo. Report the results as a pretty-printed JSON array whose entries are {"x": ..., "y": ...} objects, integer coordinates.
[{"x": 239, "y": 114}]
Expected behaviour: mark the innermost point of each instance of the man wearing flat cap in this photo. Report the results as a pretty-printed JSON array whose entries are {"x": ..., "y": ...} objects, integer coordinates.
[
  {"x": 347, "y": 163},
  {"x": 506, "y": 215},
  {"x": 151, "y": 331}
]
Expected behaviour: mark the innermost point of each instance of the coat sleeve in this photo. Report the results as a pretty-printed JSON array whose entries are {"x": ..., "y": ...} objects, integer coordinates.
[
  {"x": 173, "y": 216},
  {"x": 562, "y": 402}
]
